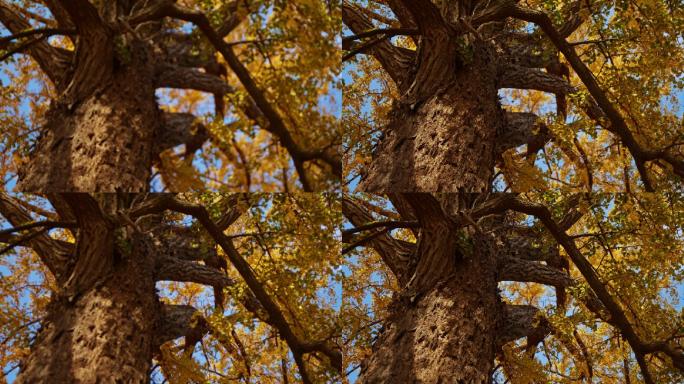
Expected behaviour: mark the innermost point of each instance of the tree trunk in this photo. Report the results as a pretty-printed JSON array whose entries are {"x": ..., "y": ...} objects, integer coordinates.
[
  {"x": 104, "y": 335},
  {"x": 448, "y": 333},
  {"x": 102, "y": 143},
  {"x": 446, "y": 142}
]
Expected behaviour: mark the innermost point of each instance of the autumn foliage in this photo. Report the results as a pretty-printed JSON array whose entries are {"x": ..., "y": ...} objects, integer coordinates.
[{"x": 351, "y": 191}]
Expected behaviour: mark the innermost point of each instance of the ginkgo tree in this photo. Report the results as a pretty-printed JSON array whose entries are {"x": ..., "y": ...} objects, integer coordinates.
[
  {"x": 442, "y": 96},
  {"x": 540, "y": 287},
  {"x": 117, "y": 95},
  {"x": 185, "y": 288}
]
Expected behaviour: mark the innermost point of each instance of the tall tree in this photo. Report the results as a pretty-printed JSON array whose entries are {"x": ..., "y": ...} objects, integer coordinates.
[
  {"x": 104, "y": 314},
  {"x": 92, "y": 121},
  {"x": 442, "y": 96},
  {"x": 458, "y": 288}
]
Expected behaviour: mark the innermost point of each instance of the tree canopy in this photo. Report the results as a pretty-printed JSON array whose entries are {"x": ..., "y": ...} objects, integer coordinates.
[
  {"x": 603, "y": 79},
  {"x": 288, "y": 242},
  {"x": 611, "y": 315},
  {"x": 372, "y": 191},
  {"x": 248, "y": 89}
]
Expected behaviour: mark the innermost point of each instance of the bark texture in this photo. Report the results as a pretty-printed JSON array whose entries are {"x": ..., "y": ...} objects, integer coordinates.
[
  {"x": 446, "y": 334},
  {"x": 104, "y": 335},
  {"x": 446, "y": 142},
  {"x": 103, "y": 143}
]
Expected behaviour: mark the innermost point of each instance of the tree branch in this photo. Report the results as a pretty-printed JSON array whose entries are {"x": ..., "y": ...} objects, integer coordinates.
[
  {"x": 44, "y": 32},
  {"x": 188, "y": 75},
  {"x": 405, "y": 17},
  {"x": 425, "y": 14},
  {"x": 44, "y": 224},
  {"x": 394, "y": 60},
  {"x": 174, "y": 269},
  {"x": 52, "y": 61},
  {"x": 387, "y": 225},
  {"x": 59, "y": 13},
  {"x": 522, "y": 321},
  {"x": 394, "y": 253},
  {"x": 519, "y": 77},
  {"x": 174, "y": 76},
  {"x": 54, "y": 254},
  {"x": 94, "y": 244},
  {"x": 15, "y": 241},
  {"x": 385, "y": 32},
  {"x": 180, "y": 128},
  {"x": 617, "y": 125},
  {"x": 512, "y": 269},
  {"x": 94, "y": 53},
  {"x": 276, "y": 317},
  {"x": 179, "y": 321},
  {"x": 522, "y": 128}
]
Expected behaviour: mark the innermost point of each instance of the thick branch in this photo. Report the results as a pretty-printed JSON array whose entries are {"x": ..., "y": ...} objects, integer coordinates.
[
  {"x": 94, "y": 53},
  {"x": 173, "y": 269},
  {"x": 522, "y": 321},
  {"x": 59, "y": 13},
  {"x": 52, "y": 61},
  {"x": 617, "y": 125},
  {"x": 403, "y": 14},
  {"x": 519, "y": 77},
  {"x": 179, "y": 321},
  {"x": 425, "y": 14},
  {"x": 394, "y": 253},
  {"x": 180, "y": 128},
  {"x": 173, "y": 76},
  {"x": 512, "y": 269},
  {"x": 44, "y": 32},
  {"x": 44, "y": 224},
  {"x": 387, "y": 225},
  {"x": 522, "y": 128},
  {"x": 54, "y": 254},
  {"x": 94, "y": 245},
  {"x": 385, "y": 32},
  {"x": 394, "y": 60}
]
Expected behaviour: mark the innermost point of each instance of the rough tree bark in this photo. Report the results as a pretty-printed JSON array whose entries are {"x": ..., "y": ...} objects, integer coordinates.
[
  {"x": 446, "y": 334},
  {"x": 100, "y": 325},
  {"x": 105, "y": 334},
  {"x": 103, "y": 143},
  {"x": 445, "y": 142}
]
